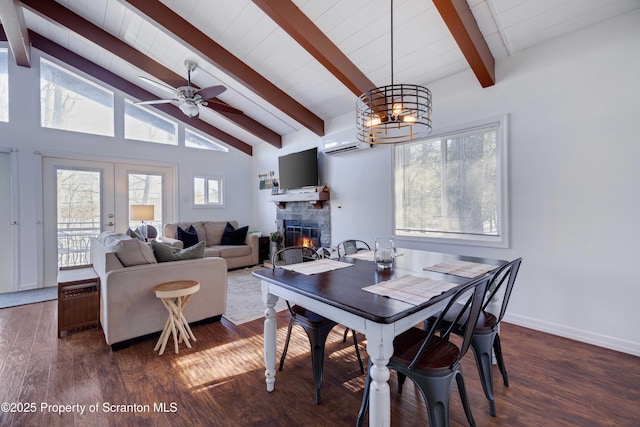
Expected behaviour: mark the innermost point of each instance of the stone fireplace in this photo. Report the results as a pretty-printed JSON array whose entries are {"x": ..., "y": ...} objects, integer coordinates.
[{"x": 303, "y": 225}]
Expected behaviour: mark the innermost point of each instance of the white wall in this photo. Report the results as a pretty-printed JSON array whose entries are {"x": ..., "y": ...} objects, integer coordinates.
[
  {"x": 574, "y": 174},
  {"x": 24, "y": 134}
]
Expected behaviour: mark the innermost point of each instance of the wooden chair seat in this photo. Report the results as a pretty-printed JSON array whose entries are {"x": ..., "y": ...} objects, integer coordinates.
[{"x": 438, "y": 356}]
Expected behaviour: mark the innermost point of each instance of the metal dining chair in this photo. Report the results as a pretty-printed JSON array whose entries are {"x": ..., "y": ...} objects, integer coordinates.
[
  {"x": 316, "y": 327},
  {"x": 486, "y": 336},
  {"x": 432, "y": 362},
  {"x": 352, "y": 246}
]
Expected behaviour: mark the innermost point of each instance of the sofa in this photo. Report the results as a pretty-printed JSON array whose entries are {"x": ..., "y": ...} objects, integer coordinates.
[
  {"x": 237, "y": 254},
  {"x": 128, "y": 306}
]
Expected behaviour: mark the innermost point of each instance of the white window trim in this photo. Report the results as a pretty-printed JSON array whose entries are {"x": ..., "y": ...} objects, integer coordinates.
[
  {"x": 501, "y": 241},
  {"x": 206, "y": 178}
]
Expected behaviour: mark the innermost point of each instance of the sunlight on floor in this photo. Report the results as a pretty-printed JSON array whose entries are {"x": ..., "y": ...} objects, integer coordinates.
[{"x": 213, "y": 366}]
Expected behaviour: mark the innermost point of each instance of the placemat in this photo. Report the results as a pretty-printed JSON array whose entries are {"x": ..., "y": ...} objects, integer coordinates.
[
  {"x": 315, "y": 267},
  {"x": 461, "y": 268},
  {"x": 411, "y": 289}
]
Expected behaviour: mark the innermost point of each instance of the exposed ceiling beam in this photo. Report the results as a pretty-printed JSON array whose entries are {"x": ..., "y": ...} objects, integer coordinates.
[
  {"x": 16, "y": 31},
  {"x": 223, "y": 59},
  {"x": 63, "y": 16},
  {"x": 464, "y": 28},
  {"x": 94, "y": 70},
  {"x": 302, "y": 29}
]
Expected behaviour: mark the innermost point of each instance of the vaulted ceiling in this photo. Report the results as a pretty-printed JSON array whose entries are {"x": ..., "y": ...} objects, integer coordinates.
[{"x": 286, "y": 64}]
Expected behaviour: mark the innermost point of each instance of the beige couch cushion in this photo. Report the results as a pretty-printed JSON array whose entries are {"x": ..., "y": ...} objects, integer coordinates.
[
  {"x": 234, "y": 251},
  {"x": 212, "y": 251},
  {"x": 215, "y": 229}
]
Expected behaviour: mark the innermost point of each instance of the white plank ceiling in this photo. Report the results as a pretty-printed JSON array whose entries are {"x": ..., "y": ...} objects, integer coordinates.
[{"x": 424, "y": 49}]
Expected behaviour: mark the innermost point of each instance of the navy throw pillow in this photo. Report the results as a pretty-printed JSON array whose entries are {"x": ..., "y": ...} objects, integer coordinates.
[
  {"x": 189, "y": 236},
  {"x": 233, "y": 236}
]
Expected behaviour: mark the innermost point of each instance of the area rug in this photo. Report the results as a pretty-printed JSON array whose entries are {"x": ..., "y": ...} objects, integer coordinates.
[
  {"x": 244, "y": 297},
  {"x": 31, "y": 296}
]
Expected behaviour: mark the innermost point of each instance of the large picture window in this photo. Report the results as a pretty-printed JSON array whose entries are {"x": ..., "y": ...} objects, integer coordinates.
[
  {"x": 453, "y": 187},
  {"x": 73, "y": 103},
  {"x": 4, "y": 85}
]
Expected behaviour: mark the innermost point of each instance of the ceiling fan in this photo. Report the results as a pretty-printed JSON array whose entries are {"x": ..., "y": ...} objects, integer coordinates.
[{"x": 190, "y": 99}]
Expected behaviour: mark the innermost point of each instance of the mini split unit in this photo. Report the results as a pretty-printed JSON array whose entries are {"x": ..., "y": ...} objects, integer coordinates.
[{"x": 343, "y": 143}]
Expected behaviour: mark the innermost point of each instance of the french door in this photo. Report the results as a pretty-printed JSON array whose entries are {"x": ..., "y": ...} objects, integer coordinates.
[{"x": 82, "y": 198}]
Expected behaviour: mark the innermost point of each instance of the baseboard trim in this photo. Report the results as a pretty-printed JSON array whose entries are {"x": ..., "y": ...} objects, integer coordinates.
[{"x": 599, "y": 340}]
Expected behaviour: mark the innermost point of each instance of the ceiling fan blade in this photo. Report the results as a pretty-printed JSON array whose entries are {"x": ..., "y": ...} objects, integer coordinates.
[
  {"x": 160, "y": 85},
  {"x": 156, "y": 101},
  {"x": 219, "y": 106},
  {"x": 211, "y": 91}
]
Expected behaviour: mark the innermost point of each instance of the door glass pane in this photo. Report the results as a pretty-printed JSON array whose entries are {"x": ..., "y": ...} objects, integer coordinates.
[
  {"x": 146, "y": 189},
  {"x": 78, "y": 212}
]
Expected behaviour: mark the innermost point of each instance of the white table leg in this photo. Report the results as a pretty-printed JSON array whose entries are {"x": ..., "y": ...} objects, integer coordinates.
[
  {"x": 380, "y": 349},
  {"x": 270, "y": 329}
]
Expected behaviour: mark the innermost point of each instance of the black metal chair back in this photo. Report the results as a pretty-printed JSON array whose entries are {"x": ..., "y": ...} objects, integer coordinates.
[
  {"x": 352, "y": 246},
  {"x": 294, "y": 255}
]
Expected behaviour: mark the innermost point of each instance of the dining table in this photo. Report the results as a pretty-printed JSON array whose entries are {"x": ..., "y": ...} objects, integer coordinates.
[{"x": 379, "y": 303}]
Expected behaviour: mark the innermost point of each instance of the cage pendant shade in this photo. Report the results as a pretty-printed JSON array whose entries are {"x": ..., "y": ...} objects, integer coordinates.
[{"x": 395, "y": 113}]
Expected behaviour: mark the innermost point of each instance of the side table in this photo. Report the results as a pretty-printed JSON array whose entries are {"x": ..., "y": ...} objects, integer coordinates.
[
  {"x": 263, "y": 248},
  {"x": 175, "y": 296},
  {"x": 78, "y": 298}
]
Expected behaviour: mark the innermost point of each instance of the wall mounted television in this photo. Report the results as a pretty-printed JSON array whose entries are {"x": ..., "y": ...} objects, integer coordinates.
[{"x": 298, "y": 170}]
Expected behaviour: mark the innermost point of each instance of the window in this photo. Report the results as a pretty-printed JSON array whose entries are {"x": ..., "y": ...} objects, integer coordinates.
[
  {"x": 453, "y": 188},
  {"x": 4, "y": 85},
  {"x": 73, "y": 103},
  {"x": 144, "y": 125},
  {"x": 207, "y": 191},
  {"x": 146, "y": 189},
  {"x": 194, "y": 140}
]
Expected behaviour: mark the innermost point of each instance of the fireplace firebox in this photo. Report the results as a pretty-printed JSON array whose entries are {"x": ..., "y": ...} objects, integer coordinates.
[{"x": 302, "y": 233}]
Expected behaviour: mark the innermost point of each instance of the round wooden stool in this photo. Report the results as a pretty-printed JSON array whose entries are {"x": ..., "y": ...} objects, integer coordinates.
[{"x": 175, "y": 296}]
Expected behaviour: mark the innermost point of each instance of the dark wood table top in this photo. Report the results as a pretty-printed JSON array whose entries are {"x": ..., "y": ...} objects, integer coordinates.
[{"x": 342, "y": 288}]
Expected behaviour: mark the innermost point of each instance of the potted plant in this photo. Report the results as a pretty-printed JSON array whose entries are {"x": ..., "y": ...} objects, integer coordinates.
[{"x": 275, "y": 243}]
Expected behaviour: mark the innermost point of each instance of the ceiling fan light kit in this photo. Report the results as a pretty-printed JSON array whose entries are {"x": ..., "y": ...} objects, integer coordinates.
[
  {"x": 190, "y": 99},
  {"x": 395, "y": 113}
]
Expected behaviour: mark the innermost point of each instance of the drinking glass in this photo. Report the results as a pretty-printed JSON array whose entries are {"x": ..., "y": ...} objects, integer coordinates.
[{"x": 384, "y": 253}]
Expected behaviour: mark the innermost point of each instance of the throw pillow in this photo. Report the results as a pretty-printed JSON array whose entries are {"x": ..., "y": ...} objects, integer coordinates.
[
  {"x": 189, "y": 236},
  {"x": 233, "y": 236},
  {"x": 166, "y": 253},
  {"x": 134, "y": 252},
  {"x": 135, "y": 234}
]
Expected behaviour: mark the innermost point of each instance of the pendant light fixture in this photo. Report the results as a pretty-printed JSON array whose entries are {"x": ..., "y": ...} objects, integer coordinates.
[{"x": 395, "y": 113}]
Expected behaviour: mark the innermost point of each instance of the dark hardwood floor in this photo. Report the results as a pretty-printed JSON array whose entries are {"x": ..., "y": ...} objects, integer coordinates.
[{"x": 220, "y": 381}]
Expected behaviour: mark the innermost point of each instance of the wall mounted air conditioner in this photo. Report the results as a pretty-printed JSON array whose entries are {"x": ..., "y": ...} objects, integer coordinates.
[{"x": 343, "y": 143}]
